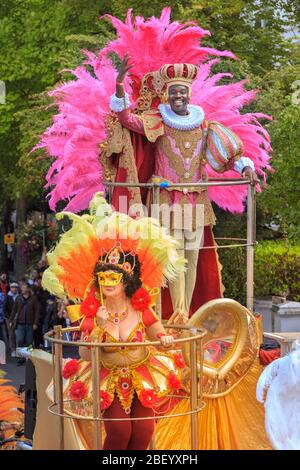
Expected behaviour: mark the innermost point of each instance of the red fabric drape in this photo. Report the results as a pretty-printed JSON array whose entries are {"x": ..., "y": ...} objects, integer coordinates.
[
  {"x": 268, "y": 356},
  {"x": 208, "y": 286}
]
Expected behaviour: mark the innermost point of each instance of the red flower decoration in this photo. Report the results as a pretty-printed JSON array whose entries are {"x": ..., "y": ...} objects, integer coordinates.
[
  {"x": 90, "y": 305},
  {"x": 141, "y": 299},
  {"x": 138, "y": 338},
  {"x": 71, "y": 368},
  {"x": 174, "y": 381},
  {"x": 78, "y": 391},
  {"x": 179, "y": 361},
  {"x": 105, "y": 400},
  {"x": 148, "y": 397}
]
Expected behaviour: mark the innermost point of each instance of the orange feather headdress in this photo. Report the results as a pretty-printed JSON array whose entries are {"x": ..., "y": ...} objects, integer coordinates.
[{"x": 72, "y": 261}]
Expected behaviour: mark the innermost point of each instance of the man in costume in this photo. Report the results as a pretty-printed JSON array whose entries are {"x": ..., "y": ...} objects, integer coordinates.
[
  {"x": 91, "y": 144},
  {"x": 184, "y": 143}
]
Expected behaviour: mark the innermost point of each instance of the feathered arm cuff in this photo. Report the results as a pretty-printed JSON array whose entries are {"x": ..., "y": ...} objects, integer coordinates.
[
  {"x": 119, "y": 104},
  {"x": 241, "y": 164}
]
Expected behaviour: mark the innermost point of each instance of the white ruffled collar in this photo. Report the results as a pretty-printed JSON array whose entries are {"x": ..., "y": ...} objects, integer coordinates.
[{"x": 184, "y": 123}]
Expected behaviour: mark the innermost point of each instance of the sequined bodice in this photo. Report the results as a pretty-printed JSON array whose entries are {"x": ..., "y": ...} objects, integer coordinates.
[
  {"x": 179, "y": 155},
  {"x": 122, "y": 356}
]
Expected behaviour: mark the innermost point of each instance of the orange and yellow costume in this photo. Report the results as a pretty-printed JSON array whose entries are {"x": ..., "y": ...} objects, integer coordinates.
[{"x": 134, "y": 381}]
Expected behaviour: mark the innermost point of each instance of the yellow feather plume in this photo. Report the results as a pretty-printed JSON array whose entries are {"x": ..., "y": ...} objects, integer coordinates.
[{"x": 72, "y": 261}]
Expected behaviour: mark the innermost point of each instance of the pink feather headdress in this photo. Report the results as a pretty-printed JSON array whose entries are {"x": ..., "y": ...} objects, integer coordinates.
[{"x": 74, "y": 138}]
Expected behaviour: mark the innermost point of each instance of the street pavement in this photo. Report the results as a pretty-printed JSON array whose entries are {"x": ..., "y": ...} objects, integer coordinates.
[
  {"x": 13, "y": 372},
  {"x": 16, "y": 373}
]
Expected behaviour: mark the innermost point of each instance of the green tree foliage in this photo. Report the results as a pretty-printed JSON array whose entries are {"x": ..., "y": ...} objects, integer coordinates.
[
  {"x": 39, "y": 39},
  {"x": 282, "y": 196},
  {"x": 276, "y": 271},
  {"x": 280, "y": 97}
]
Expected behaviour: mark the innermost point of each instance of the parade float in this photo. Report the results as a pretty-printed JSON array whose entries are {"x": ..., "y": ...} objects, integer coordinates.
[{"x": 172, "y": 132}]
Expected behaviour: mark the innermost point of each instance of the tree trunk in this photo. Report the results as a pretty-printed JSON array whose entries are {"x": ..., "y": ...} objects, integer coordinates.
[
  {"x": 6, "y": 227},
  {"x": 20, "y": 267}
]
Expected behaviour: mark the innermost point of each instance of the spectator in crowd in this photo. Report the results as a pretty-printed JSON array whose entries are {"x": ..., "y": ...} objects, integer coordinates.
[
  {"x": 25, "y": 317},
  {"x": 42, "y": 296},
  {"x": 8, "y": 308},
  {"x": 33, "y": 277},
  {"x": 42, "y": 264},
  {"x": 4, "y": 286},
  {"x": 59, "y": 315},
  {"x": 3, "y": 335},
  {"x": 56, "y": 314}
]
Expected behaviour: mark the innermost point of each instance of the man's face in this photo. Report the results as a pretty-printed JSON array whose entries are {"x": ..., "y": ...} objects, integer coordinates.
[
  {"x": 14, "y": 290},
  {"x": 178, "y": 99},
  {"x": 25, "y": 289},
  {"x": 3, "y": 277},
  {"x": 34, "y": 275}
]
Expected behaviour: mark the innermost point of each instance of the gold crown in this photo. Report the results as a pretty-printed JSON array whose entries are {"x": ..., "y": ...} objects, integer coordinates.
[
  {"x": 117, "y": 257},
  {"x": 178, "y": 74}
]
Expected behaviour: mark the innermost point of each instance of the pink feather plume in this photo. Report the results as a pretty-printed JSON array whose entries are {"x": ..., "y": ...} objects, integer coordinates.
[{"x": 78, "y": 129}]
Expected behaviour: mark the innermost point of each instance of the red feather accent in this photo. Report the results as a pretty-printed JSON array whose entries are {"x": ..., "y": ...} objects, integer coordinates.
[{"x": 148, "y": 398}]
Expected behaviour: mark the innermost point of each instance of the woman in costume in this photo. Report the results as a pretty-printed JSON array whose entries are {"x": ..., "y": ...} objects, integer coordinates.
[{"x": 111, "y": 266}]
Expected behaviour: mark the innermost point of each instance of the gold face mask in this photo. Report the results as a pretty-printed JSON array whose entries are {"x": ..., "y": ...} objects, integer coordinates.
[{"x": 109, "y": 278}]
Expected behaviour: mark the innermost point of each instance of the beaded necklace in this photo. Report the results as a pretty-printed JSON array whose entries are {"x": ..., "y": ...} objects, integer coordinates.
[{"x": 117, "y": 317}]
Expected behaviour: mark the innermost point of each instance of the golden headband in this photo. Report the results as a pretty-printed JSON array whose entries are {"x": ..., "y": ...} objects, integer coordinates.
[{"x": 117, "y": 257}]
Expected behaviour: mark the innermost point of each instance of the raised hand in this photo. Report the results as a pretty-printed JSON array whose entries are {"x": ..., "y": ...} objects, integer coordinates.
[
  {"x": 123, "y": 69},
  {"x": 248, "y": 173}
]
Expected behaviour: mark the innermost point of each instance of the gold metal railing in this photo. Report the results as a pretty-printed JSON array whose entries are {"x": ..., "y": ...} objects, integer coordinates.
[{"x": 250, "y": 241}]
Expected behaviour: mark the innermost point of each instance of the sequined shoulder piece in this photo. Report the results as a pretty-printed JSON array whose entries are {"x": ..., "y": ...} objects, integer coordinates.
[{"x": 153, "y": 124}]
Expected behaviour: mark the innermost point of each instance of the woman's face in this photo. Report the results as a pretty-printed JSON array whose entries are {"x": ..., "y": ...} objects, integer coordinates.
[{"x": 113, "y": 291}]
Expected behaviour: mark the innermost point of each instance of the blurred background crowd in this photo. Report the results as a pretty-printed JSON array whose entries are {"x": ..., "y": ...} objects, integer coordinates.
[{"x": 27, "y": 312}]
